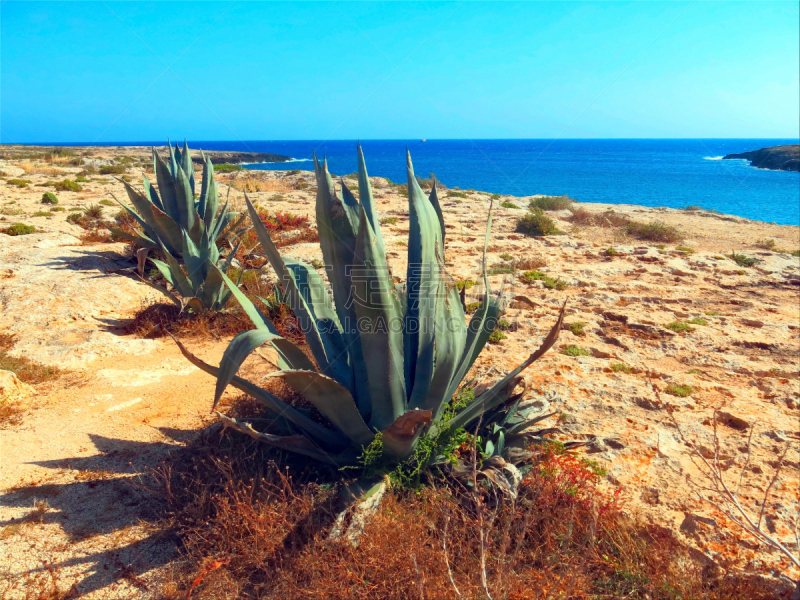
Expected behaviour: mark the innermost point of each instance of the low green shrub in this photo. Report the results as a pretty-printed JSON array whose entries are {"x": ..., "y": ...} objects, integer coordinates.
[
  {"x": 94, "y": 211},
  {"x": 57, "y": 209},
  {"x": 571, "y": 350},
  {"x": 742, "y": 260},
  {"x": 20, "y": 183},
  {"x": 698, "y": 321},
  {"x": 113, "y": 169},
  {"x": 679, "y": 327},
  {"x": 552, "y": 202},
  {"x": 19, "y": 229},
  {"x": 230, "y": 168},
  {"x": 681, "y": 391},
  {"x": 654, "y": 231},
  {"x": 67, "y": 186},
  {"x": 536, "y": 224},
  {"x": 49, "y": 198},
  {"x": 506, "y": 257},
  {"x": 388, "y": 221},
  {"x": 610, "y": 252},
  {"x": 105, "y": 202},
  {"x": 577, "y": 328},
  {"x": 81, "y": 179},
  {"x": 692, "y": 208},
  {"x": 765, "y": 244},
  {"x": 549, "y": 282},
  {"x": 620, "y": 368},
  {"x": 508, "y": 204},
  {"x": 496, "y": 337},
  {"x": 42, "y": 213},
  {"x": 684, "y": 249},
  {"x": 452, "y": 194}
]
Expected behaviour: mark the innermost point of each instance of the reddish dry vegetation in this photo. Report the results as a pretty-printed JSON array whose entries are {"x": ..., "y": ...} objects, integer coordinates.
[
  {"x": 157, "y": 319},
  {"x": 249, "y": 530}
]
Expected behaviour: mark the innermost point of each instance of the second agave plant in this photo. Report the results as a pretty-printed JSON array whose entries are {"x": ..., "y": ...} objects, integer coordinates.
[
  {"x": 387, "y": 359},
  {"x": 185, "y": 229}
]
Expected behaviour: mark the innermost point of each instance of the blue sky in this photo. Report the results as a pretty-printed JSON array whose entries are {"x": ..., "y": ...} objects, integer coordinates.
[{"x": 140, "y": 71}]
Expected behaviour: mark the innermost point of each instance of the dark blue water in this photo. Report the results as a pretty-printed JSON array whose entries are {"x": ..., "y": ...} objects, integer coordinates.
[{"x": 673, "y": 173}]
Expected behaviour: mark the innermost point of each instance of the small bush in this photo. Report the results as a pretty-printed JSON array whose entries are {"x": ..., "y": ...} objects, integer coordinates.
[
  {"x": 75, "y": 217},
  {"x": 94, "y": 211},
  {"x": 698, "y": 321},
  {"x": 229, "y": 168},
  {"x": 679, "y": 327},
  {"x": 292, "y": 172},
  {"x": 464, "y": 283},
  {"x": 610, "y": 252},
  {"x": 571, "y": 350},
  {"x": 105, "y": 202},
  {"x": 495, "y": 197},
  {"x": 549, "y": 282},
  {"x": 499, "y": 270},
  {"x": 654, "y": 231},
  {"x": 508, "y": 204},
  {"x": 506, "y": 257},
  {"x": 552, "y": 202},
  {"x": 452, "y": 194},
  {"x": 529, "y": 263},
  {"x": 713, "y": 313},
  {"x": 504, "y": 325},
  {"x": 496, "y": 337},
  {"x": 49, "y": 198},
  {"x": 301, "y": 185},
  {"x": 681, "y": 391},
  {"x": 684, "y": 249},
  {"x": 535, "y": 224},
  {"x": 693, "y": 208},
  {"x": 81, "y": 179},
  {"x": 577, "y": 328},
  {"x": 67, "y": 186},
  {"x": 113, "y": 169},
  {"x": 472, "y": 307},
  {"x": 795, "y": 253},
  {"x": 57, "y": 209},
  {"x": 388, "y": 221},
  {"x": 742, "y": 260},
  {"x": 42, "y": 213},
  {"x": 620, "y": 368},
  {"x": 20, "y": 183},
  {"x": 19, "y": 229},
  {"x": 765, "y": 244}
]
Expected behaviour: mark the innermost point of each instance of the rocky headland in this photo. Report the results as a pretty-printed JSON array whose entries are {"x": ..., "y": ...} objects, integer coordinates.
[
  {"x": 776, "y": 158},
  {"x": 667, "y": 334}
]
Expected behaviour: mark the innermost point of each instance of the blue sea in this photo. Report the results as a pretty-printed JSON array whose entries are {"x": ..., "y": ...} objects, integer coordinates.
[{"x": 672, "y": 173}]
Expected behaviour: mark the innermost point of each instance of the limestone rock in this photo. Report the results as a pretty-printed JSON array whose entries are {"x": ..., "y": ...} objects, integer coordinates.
[{"x": 12, "y": 389}]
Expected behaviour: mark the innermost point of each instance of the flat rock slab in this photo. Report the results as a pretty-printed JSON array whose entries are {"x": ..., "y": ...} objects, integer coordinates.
[{"x": 62, "y": 304}]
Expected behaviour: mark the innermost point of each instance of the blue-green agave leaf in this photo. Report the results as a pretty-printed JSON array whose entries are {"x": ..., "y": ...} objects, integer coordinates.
[
  {"x": 333, "y": 400},
  {"x": 331, "y": 439},
  {"x": 424, "y": 288},
  {"x": 380, "y": 325},
  {"x": 166, "y": 186}
]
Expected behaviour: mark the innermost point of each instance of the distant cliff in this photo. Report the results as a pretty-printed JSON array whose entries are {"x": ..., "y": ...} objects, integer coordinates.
[
  {"x": 224, "y": 156},
  {"x": 777, "y": 158}
]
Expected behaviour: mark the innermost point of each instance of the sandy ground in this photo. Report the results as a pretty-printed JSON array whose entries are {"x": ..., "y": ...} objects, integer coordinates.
[{"x": 72, "y": 505}]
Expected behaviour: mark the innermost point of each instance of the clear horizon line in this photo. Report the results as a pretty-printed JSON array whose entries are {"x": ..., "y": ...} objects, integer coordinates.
[{"x": 416, "y": 139}]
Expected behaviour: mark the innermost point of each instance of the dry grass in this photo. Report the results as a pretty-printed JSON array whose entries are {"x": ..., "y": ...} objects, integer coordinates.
[
  {"x": 609, "y": 218},
  {"x": 250, "y": 529},
  {"x": 27, "y": 370},
  {"x": 530, "y": 263},
  {"x": 40, "y": 169},
  {"x": 256, "y": 182},
  {"x": 156, "y": 319}
]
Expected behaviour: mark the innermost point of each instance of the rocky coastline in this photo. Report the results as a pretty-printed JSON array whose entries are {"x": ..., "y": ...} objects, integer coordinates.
[{"x": 775, "y": 158}]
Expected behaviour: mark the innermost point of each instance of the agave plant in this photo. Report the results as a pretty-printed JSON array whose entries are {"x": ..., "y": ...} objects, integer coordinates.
[
  {"x": 387, "y": 358},
  {"x": 183, "y": 227}
]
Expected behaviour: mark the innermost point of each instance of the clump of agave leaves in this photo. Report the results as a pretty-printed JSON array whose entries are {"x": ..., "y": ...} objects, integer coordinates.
[
  {"x": 183, "y": 227},
  {"x": 389, "y": 358}
]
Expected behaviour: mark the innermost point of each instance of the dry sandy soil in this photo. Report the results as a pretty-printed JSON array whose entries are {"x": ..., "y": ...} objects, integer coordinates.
[{"x": 72, "y": 507}]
